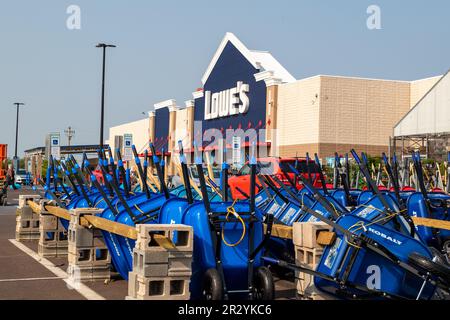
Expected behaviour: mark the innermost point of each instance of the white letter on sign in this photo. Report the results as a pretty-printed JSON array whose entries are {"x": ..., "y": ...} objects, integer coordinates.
[
  {"x": 207, "y": 105},
  {"x": 245, "y": 88},
  {"x": 215, "y": 99},
  {"x": 374, "y": 280}
]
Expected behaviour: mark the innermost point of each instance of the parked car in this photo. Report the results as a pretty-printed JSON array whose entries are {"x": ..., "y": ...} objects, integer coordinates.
[
  {"x": 272, "y": 167},
  {"x": 23, "y": 177}
]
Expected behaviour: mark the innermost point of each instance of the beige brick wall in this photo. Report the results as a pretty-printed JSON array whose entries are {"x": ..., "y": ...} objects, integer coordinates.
[
  {"x": 420, "y": 87},
  {"x": 298, "y": 113},
  {"x": 360, "y": 111}
]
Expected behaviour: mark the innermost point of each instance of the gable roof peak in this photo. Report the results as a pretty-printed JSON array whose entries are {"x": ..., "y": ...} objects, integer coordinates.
[{"x": 258, "y": 59}]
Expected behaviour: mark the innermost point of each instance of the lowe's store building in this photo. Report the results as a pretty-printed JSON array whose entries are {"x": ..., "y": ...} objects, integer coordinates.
[{"x": 249, "y": 91}]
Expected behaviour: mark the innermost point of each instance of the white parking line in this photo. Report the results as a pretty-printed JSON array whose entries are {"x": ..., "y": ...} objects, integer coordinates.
[
  {"x": 31, "y": 279},
  {"x": 82, "y": 289}
]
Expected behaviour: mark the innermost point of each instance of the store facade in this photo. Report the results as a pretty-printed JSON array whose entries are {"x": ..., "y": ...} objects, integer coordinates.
[{"x": 249, "y": 94}]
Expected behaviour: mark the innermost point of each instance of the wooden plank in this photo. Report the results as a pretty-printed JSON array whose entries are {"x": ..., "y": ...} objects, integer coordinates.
[
  {"x": 90, "y": 221},
  {"x": 58, "y": 212},
  {"x": 326, "y": 238},
  {"x": 109, "y": 226},
  {"x": 36, "y": 208},
  {"x": 439, "y": 224},
  {"x": 280, "y": 231}
]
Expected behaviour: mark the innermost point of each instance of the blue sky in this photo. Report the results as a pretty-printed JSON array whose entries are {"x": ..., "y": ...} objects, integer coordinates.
[{"x": 165, "y": 46}]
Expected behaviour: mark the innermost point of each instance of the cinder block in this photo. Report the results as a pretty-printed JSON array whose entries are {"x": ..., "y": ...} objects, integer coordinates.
[
  {"x": 47, "y": 251},
  {"x": 305, "y": 233},
  {"x": 141, "y": 257},
  {"x": 101, "y": 256},
  {"x": 154, "y": 270},
  {"x": 48, "y": 222},
  {"x": 308, "y": 256},
  {"x": 132, "y": 284},
  {"x": 181, "y": 236},
  {"x": 61, "y": 251},
  {"x": 297, "y": 233},
  {"x": 158, "y": 288},
  {"x": 81, "y": 257},
  {"x": 180, "y": 264},
  {"x": 23, "y": 199},
  {"x": 75, "y": 214},
  {"x": 25, "y": 212},
  {"x": 78, "y": 273},
  {"x": 80, "y": 236}
]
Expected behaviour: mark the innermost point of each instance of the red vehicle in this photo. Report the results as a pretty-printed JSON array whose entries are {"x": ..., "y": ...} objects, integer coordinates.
[{"x": 240, "y": 183}]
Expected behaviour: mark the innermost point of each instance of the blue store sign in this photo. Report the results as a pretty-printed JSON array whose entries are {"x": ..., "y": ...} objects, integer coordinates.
[{"x": 232, "y": 98}]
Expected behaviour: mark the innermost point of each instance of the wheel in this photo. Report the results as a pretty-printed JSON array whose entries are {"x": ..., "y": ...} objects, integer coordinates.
[
  {"x": 438, "y": 256},
  {"x": 263, "y": 286},
  {"x": 212, "y": 288},
  {"x": 437, "y": 269},
  {"x": 446, "y": 250}
]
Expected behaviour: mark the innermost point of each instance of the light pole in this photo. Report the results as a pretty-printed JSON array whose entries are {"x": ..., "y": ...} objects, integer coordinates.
[
  {"x": 16, "y": 159},
  {"x": 102, "y": 117},
  {"x": 69, "y": 133}
]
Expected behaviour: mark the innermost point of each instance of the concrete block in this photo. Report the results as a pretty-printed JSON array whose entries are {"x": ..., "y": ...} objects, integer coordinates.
[
  {"x": 132, "y": 284},
  {"x": 23, "y": 199},
  {"x": 81, "y": 256},
  {"x": 181, "y": 236},
  {"x": 180, "y": 264},
  {"x": 101, "y": 256},
  {"x": 162, "y": 288},
  {"x": 80, "y": 236},
  {"x": 75, "y": 214},
  {"x": 48, "y": 222},
  {"x": 153, "y": 270},
  {"x": 25, "y": 212},
  {"x": 79, "y": 274},
  {"x": 297, "y": 233},
  {"x": 47, "y": 251},
  {"x": 305, "y": 233},
  {"x": 308, "y": 256},
  {"x": 141, "y": 257}
]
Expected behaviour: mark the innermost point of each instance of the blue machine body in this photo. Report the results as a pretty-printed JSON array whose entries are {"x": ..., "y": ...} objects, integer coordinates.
[
  {"x": 416, "y": 205},
  {"x": 369, "y": 268}
]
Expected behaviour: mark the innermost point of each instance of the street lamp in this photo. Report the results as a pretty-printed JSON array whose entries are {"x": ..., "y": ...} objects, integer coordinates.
[
  {"x": 16, "y": 159},
  {"x": 102, "y": 117},
  {"x": 69, "y": 133}
]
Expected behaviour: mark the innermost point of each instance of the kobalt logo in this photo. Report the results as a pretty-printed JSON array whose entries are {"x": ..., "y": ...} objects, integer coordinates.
[
  {"x": 385, "y": 236},
  {"x": 228, "y": 102}
]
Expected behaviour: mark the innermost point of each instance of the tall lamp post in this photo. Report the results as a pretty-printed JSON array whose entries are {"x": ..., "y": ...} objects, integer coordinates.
[
  {"x": 102, "y": 117},
  {"x": 16, "y": 159}
]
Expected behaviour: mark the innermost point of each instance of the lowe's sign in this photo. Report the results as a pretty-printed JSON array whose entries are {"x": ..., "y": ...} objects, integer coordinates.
[
  {"x": 227, "y": 102},
  {"x": 232, "y": 98}
]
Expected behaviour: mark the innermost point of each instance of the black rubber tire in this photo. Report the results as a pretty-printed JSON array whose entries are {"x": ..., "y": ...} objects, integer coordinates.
[
  {"x": 436, "y": 269},
  {"x": 263, "y": 285},
  {"x": 212, "y": 288},
  {"x": 438, "y": 256}
]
